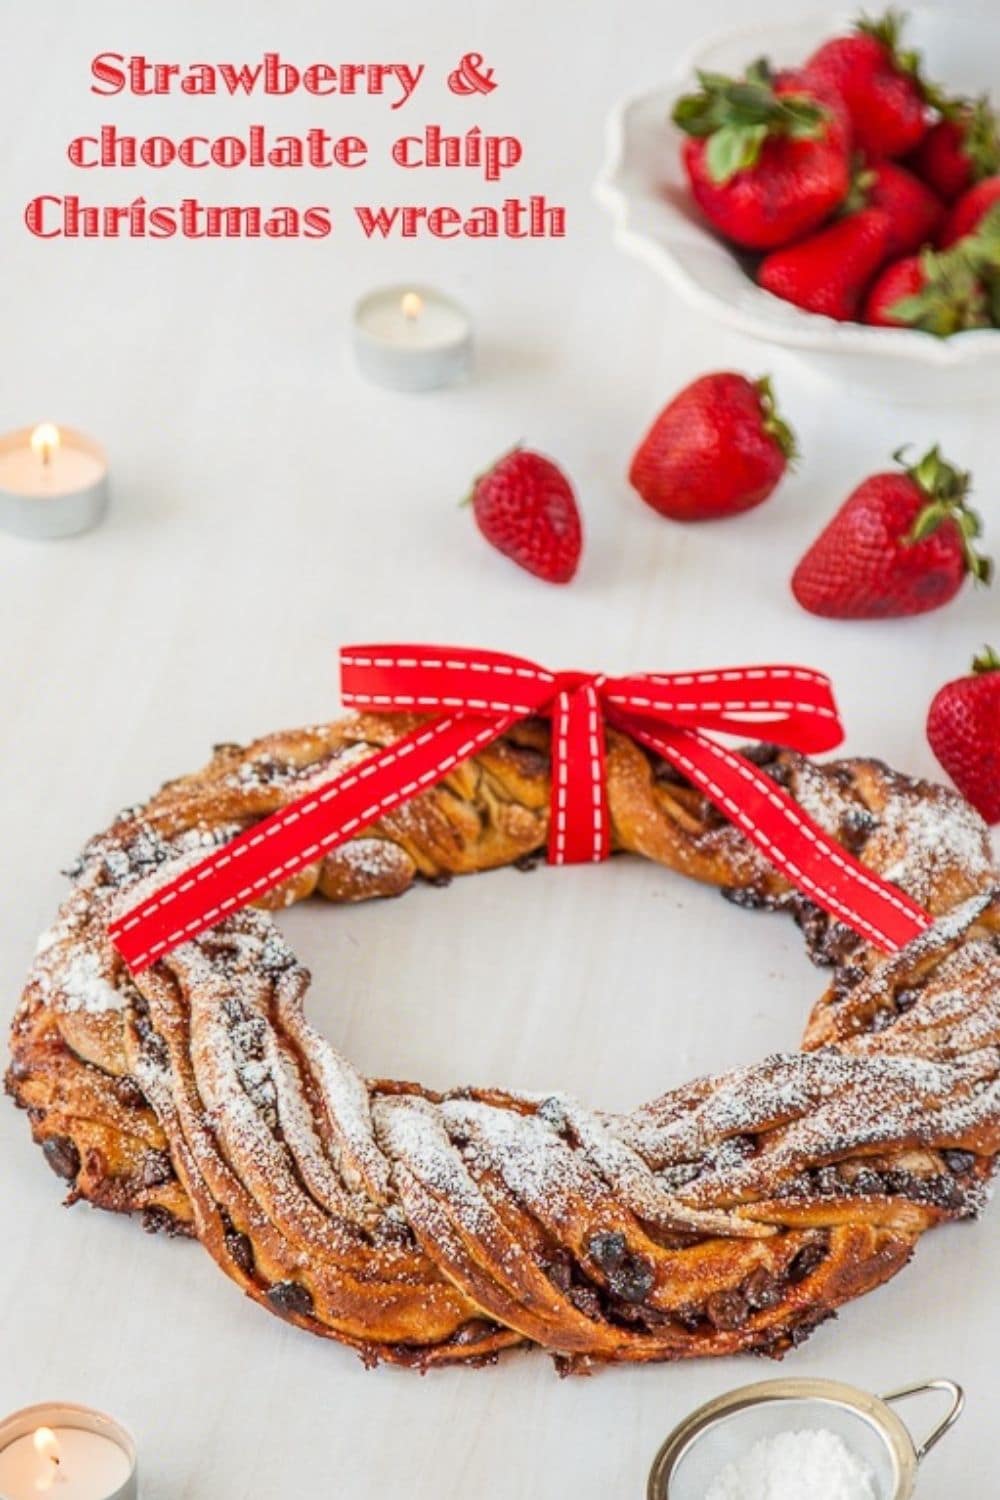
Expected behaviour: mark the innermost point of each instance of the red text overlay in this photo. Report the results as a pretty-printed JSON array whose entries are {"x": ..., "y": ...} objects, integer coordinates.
[{"x": 481, "y": 155}]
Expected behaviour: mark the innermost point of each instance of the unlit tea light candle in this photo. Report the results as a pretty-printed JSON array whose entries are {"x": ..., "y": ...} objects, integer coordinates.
[
  {"x": 67, "y": 1452},
  {"x": 53, "y": 482},
  {"x": 412, "y": 338}
]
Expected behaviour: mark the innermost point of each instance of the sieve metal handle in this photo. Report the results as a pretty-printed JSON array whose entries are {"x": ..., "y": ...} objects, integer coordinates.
[{"x": 947, "y": 1422}]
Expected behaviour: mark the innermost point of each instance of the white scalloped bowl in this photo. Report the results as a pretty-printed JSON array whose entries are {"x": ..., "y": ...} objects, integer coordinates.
[{"x": 644, "y": 187}]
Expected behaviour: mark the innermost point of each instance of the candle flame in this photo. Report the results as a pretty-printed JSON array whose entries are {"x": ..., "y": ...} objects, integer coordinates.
[
  {"x": 44, "y": 441},
  {"x": 413, "y": 305},
  {"x": 46, "y": 1445}
]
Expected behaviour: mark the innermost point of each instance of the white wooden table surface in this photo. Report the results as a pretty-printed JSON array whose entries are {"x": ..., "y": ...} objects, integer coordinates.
[{"x": 268, "y": 506}]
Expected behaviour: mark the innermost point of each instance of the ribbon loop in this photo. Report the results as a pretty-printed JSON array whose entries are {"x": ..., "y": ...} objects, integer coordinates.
[
  {"x": 468, "y": 698},
  {"x": 421, "y": 678},
  {"x": 792, "y": 706}
]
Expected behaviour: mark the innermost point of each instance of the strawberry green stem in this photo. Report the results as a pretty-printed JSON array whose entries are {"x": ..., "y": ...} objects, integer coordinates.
[
  {"x": 863, "y": 179},
  {"x": 774, "y": 423},
  {"x": 946, "y": 490},
  {"x": 986, "y": 661}
]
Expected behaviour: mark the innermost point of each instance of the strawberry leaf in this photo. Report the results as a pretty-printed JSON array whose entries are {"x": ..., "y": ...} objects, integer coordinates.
[
  {"x": 751, "y": 103},
  {"x": 714, "y": 83},
  {"x": 939, "y": 480},
  {"x": 737, "y": 115},
  {"x": 953, "y": 297},
  {"x": 928, "y": 521},
  {"x": 981, "y": 248},
  {"x": 982, "y": 139},
  {"x": 887, "y": 29},
  {"x": 696, "y": 114},
  {"x": 980, "y": 131},
  {"x": 733, "y": 149},
  {"x": 800, "y": 114},
  {"x": 946, "y": 489},
  {"x": 760, "y": 71}
]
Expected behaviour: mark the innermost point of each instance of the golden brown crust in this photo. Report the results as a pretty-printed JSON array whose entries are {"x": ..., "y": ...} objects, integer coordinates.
[{"x": 732, "y": 1214}]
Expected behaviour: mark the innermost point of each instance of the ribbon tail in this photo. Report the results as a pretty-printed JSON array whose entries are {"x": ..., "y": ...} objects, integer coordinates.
[
  {"x": 809, "y": 858},
  {"x": 579, "y": 823},
  {"x": 300, "y": 834}
]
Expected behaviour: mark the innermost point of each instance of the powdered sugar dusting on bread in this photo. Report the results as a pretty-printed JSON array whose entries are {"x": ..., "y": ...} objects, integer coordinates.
[
  {"x": 915, "y": 840},
  {"x": 411, "y": 1134},
  {"x": 371, "y": 858},
  {"x": 309, "y": 1164},
  {"x": 935, "y": 836},
  {"x": 83, "y": 986}
]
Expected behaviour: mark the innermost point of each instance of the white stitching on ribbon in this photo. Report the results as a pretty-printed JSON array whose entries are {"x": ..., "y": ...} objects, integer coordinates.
[
  {"x": 781, "y": 860},
  {"x": 283, "y": 820}
]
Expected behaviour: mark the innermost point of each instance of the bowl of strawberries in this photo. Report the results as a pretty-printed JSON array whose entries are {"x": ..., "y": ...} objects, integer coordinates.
[{"x": 832, "y": 187}]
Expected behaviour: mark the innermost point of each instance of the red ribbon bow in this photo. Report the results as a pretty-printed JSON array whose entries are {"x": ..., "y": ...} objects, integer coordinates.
[{"x": 473, "y": 697}]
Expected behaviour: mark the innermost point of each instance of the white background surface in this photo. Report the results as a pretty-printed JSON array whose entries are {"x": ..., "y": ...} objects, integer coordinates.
[{"x": 269, "y": 506}]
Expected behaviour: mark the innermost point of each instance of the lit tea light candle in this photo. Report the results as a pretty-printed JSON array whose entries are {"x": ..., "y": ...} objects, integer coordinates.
[
  {"x": 68, "y": 1452},
  {"x": 53, "y": 482},
  {"x": 412, "y": 338}
]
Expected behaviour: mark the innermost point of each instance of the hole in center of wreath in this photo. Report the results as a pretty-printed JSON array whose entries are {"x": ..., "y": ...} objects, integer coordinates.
[{"x": 611, "y": 982}]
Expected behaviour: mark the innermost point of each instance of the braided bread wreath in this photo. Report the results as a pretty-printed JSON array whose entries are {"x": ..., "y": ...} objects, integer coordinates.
[{"x": 734, "y": 1213}]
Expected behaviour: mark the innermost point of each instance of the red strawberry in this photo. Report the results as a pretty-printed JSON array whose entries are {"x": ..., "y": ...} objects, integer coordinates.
[
  {"x": 900, "y": 544},
  {"x": 879, "y": 83},
  {"x": 941, "y": 293},
  {"x": 767, "y": 160},
  {"x": 525, "y": 507},
  {"x": 901, "y": 279},
  {"x": 830, "y": 271},
  {"x": 914, "y": 210},
  {"x": 961, "y": 149},
  {"x": 969, "y": 212},
  {"x": 717, "y": 448},
  {"x": 963, "y": 727}
]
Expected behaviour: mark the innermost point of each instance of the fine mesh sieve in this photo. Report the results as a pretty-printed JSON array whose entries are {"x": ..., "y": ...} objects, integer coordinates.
[{"x": 726, "y": 1428}]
